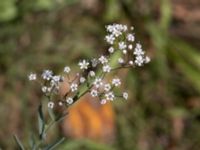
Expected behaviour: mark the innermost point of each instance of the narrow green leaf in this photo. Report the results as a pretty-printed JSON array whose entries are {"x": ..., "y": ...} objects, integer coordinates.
[
  {"x": 51, "y": 114},
  {"x": 19, "y": 143},
  {"x": 41, "y": 122},
  {"x": 166, "y": 14},
  {"x": 32, "y": 142}
]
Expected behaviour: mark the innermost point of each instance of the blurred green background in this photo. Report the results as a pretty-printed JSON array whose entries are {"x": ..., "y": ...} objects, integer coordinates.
[{"x": 163, "y": 112}]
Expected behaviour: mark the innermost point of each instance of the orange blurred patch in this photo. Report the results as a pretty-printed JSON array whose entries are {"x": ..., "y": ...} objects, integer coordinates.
[{"x": 89, "y": 119}]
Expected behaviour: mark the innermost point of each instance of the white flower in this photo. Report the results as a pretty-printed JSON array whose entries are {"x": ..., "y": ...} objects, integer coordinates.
[
  {"x": 116, "y": 82},
  {"x": 147, "y": 59},
  {"x": 110, "y": 39},
  {"x": 138, "y": 45},
  {"x": 107, "y": 87},
  {"x": 94, "y": 62},
  {"x": 103, "y": 59},
  {"x": 111, "y": 50},
  {"x": 84, "y": 64},
  {"x": 138, "y": 50},
  {"x": 103, "y": 101},
  {"x": 121, "y": 60},
  {"x": 32, "y": 76},
  {"x": 110, "y": 96},
  {"x": 132, "y": 28},
  {"x": 124, "y": 51},
  {"x": 106, "y": 68},
  {"x": 125, "y": 95},
  {"x": 116, "y": 29},
  {"x": 44, "y": 89},
  {"x": 69, "y": 100},
  {"x": 74, "y": 87},
  {"x": 67, "y": 69},
  {"x": 47, "y": 74},
  {"x": 94, "y": 93},
  {"x": 55, "y": 82},
  {"x": 139, "y": 60},
  {"x": 130, "y": 62},
  {"x": 50, "y": 105},
  {"x": 130, "y": 46},
  {"x": 82, "y": 79},
  {"x": 97, "y": 82},
  {"x": 130, "y": 37},
  {"x": 92, "y": 73},
  {"x": 56, "y": 78},
  {"x": 60, "y": 103},
  {"x": 49, "y": 89},
  {"x": 122, "y": 45}
]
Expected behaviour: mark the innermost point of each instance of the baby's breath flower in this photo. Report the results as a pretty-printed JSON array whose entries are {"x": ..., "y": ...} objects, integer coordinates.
[
  {"x": 130, "y": 46},
  {"x": 111, "y": 50},
  {"x": 120, "y": 60},
  {"x": 56, "y": 78},
  {"x": 106, "y": 68},
  {"x": 69, "y": 100},
  {"x": 50, "y": 104},
  {"x": 139, "y": 61},
  {"x": 138, "y": 50},
  {"x": 82, "y": 79},
  {"x": 124, "y": 51},
  {"x": 47, "y": 74},
  {"x": 32, "y": 76},
  {"x": 122, "y": 45},
  {"x": 116, "y": 29},
  {"x": 54, "y": 83},
  {"x": 119, "y": 39},
  {"x": 116, "y": 82},
  {"x": 107, "y": 87},
  {"x": 130, "y": 62},
  {"x": 44, "y": 89},
  {"x": 147, "y": 59},
  {"x": 132, "y": 28},
  {"x": 67, "y": 69},
  {"x": 110, "y": 96},
  {"x": 60, "y": 103},
  {"x": 130, "y": 37},
  {"x": 74, "y": 87},
  {"x": 94, "y": 93},
  {"x": 103, "y": 101},
  {"x": 92, "y": 73},
  {"x": 84, "y": 64},
  {"x": 103, "y": 59},
  {"x": 97, "y": 82},
  {"x": 110, "y": 39},
  {"x": 125, "y": 95},
  {"x": 94, "y": 62}
]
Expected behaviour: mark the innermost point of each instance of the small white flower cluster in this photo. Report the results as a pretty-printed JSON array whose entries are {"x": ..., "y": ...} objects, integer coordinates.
[
  {"x": 93, "y": 72},
  {"x": 51, "y": 82},
  {"x": 140, "y": 59},
  {"x": 125, "y": 40},
  {"x": 105, "y": 91},
  {"x": 51, "y": 85}
]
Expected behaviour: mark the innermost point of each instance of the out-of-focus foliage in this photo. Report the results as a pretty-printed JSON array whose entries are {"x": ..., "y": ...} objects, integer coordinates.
[
  {"x": 10, "y": 9},
  {"x": 85, "y": 145},
  {"x": 164, "y": 108}
]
